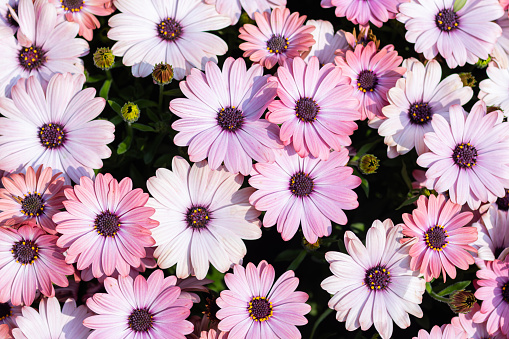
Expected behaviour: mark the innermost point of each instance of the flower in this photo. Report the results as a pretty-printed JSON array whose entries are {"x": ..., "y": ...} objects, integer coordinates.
[
  {"x": 205, "y": 328},
  {"x": 36, "y": 196},
  {"x": 84, "y": 12},
  {"x": 149, "y": 32},
  {"x": 493, "y": 240},
  {"x": 363, "y": 12},
  {"x": 317, "y": 114},
  {"x": 45, "y": 46},
  {"x": 462, "y": 159},
  {"x": 414, "y": 102},
  {"x": 7, "y": 20},
  {"x": 30, "y": 261},
  {"x": 327, "y": 42},
  {"x": 372, "y": 74},
  {"x": 203, "y": 217},
  {"x": 368, "y": 164},
  {"x": 307, "y": 191},
  {"x": 139, "y": 308},
  {"x": 5, "y": 331},
  {"x": 104, "y": 58},
  {"x": 493, "y": 291},
  {"x": 51, "y": 323},
  {"x": 459, "y": 35},
  {"x": 447, "y": 331},
  {"x": 106, "y": 225},
  {"x": 501, "y": 48},
  {"x": 9, "y": 314},
  {"x": 279, "y": 36},
  {"x": 374, "y": 283},
  {"x": 130, "y": 112},
  {"x": 256, "y": 307},
  {"x": 221, "y": 116},
  {"x": 494, "y": 90},
  {"x": 440, "y": 242},
  {"x": 233, "y": 8},
  {"x": 464, "y": 324},
  {"x": 54, "y": 127},
  {"x": 461, "y": 301},
  {"x": 162, "y": 74}
]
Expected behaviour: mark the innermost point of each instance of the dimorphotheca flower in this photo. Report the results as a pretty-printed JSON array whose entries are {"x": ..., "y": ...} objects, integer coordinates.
[
  {"x": 233, "y": 8},
  {"x": 495, "y": 90},
  {"x": 327, "y": 42},
  {"x": 363, "y": 12}
]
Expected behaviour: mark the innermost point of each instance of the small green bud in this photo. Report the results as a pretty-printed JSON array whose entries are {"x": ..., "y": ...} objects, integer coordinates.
[
  {"x": 130, "y": 112},
  {"x": 462, "y": 301},
  {"x": 104, "y": 58},
  {"x": 311, "y": 246},
  {"x": 483, "y": 63},
  {"x": 368, "y": 164},
  {"x": 467, "y": 79}
]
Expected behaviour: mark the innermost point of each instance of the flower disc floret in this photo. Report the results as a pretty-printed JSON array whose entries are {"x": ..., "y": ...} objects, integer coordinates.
[{"x": 447, "y": 20}]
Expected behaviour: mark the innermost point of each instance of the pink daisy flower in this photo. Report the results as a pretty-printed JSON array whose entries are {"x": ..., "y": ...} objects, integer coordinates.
[
  {"x": 53, "y": 127},
  {"x": 494, "y": 91},
  {"x": 106, "y": 225},
  {"x": 463, "y": 324},
  {"x": 34, "y": 196},
  {"x": 501, "y": 49},
  {"x": 445, "y": 332},
  {"x": 151, "y": 31},
  {"x": 413, "y": 103},
  {"x": 9, "y": 314},
  {"x": 5, "y": 332},
  {"x": 233, "y": 8},
  {"x": 494, "y": 292},
  {"x": 203, "y": 217},
  {"x": 256, "y": 307},
  {"x": 307, "y": 191},
  {"x": 372, "y": 74},
  {"x": 30, "y": 261},
  {"x": 440, "y": 242},
  {"x": 327, "y": 42},
  {"x": 83, "y": 12},
  {"x": 7, "y": 20},
  {"x": 279, "y": 36},
  {"x": 493, "y": 235},
  {"x": 373, "y": 284},
  {"x": 221, "y": 116},
  {"x": 204, "y": 328},
  {"x": 317, "y": 113},
  {"x": 140, "y": 308},
  {"x": 435, "y": 27},
  {"x": 464, "y": 160},
  {"x": 363, "y": 12},
  {"x": 52, "y": 323},
  {"x": 38, "y": 51}
]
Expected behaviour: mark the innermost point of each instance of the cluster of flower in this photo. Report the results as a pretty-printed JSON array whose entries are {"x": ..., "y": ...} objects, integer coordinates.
[{"x": 58, "y": 218}]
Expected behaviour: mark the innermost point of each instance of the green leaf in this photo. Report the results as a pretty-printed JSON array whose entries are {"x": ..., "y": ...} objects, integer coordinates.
[
  {"x": 458, "y": 5},
  {"x": 173, "y": 92},
  {"x": 405, "y": 176},
  {"x": 95, "y": 78},
  {"x": 367, "y": 147},
  {"x": 144, "y": 103},
  {"x": 116, "y": 107},
  {"x": 297, "y": 261},
  {"x": 408, "y": 202},
  {"x": 365, "y": 186},
  {"x": 105, "y": 89},
  {"x": 116, "y": 120},
  {"x": 144, "y": 128},
  {"x": 125, "y": 145},
  {"x": 318, "y": 321},
  {"x": 359, "y": 226},
  {"x": 152, "y": 116},
  {"x": 455, "y": 287}
]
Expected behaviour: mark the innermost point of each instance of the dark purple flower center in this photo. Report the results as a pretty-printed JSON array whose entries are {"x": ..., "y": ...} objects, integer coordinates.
[
  {"x": 140, "y": 320},
  {"x": 31, "y": 58},
  {"x": 5, "y": 311},
  {"x": 367, "y": 81},
  {"x": 505, "y": 292},
  {"x": 306, "y": 109},
  {"x": 260, "y": 309},
  {"x": 420, "y": 113},
  {"x": 277, "y": 44},
  {"x": 10, "y": 19},
  {"x": 72, "y": 5},
  {"x": 446, "y": 20},
  {"x": 301, "y": 185},
  {"x": 465, "y": 155},
  {"x": 503, "y": 203},
  {"x": 377, "y": 278},
  {"x": 197, "y": 217},
  {"x": 169, "y": 30},
  {"x": 436, "y": 238},
  {"x": 107, "y": 224},
  {"x": 32, "y": 204},
  {"x": 25, "y": 252},
  {"x": 230, "y": 119},
  {"x": 52, "y": 135}
]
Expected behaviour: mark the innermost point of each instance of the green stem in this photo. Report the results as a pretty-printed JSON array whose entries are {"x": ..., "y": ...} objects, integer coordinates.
[
  {"x": 437, "y": 297},
  {"x": 296, "y": 262},
  {"x": 161, "y": 97}
]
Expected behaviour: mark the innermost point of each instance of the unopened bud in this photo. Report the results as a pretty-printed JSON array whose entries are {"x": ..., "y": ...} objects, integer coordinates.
[
  {"x": 162, "y": 73},
  {"x": 368, "y": 164},
  {"x": 130, "y": 112},
  {"x": 468, "y": 79},
  {"x": 462, "y": 301},
  {"x": 104, "y": 58}
]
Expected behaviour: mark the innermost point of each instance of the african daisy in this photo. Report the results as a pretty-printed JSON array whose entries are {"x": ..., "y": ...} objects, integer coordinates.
[
  {"x": 493, "y": 235},
  {"x": 254, "y": 306},
  {"x": 447, "y": 331},
  {"x": 374, "y": 284},
  {"x": 501, "y": 48},
  {"x": 7, "y": 20},
  {"x": 363, "y": 12},
  {"x": 463, "y": 323},
  {"x": 495, "y": 89},
  {"x": 233, "y": 8},
  {"x": 8, "y": 314},
  {"x": 278, "y": 36},
  {"x": 327, "y": 42},
  {"x": 5, "y": 332}
]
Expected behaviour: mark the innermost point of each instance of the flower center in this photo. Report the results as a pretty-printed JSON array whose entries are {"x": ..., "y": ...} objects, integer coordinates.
[
  {"x": 31, "y": 58},
  {"x": 446, "y": 20},
  {"x": 367, "y": 81},
  {"x": 465, "y": 155},
  {"x": 505, "y": 292},
  {"x": 260, "y": 309},
  {"x": 306, "y": 109},
  {"x": 169, "y": 30},
  {"x": 140, "y": 320},
  {"x": 377, "y": 278},
  {"x": 107, "y": 224},
  {"x": 419, "y": 113},
  {"x": 197, "y": 217},
  {"x": 72, "y": 5},
  {"x": 52, "y": 135},
  {"x": 32, "y": 204},
  {"x": 25, "y": 252},
  {"x": 5, "y": 311},
  {"x": 230, "y": 119},
  {"x": 277, "y": 44},
  {"x": 10, "y": 19},
  {"x": 301, "y": 185},
  {"x": 435, "y": 238},
  {"x": 503, "y": 203}
]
